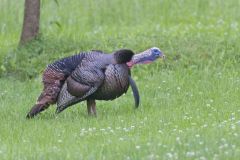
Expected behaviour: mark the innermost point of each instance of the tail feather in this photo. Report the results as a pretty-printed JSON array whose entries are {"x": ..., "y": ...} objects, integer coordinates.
[{"x": 135, "y": 91}]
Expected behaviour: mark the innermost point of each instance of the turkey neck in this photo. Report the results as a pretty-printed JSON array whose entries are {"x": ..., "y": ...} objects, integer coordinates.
[
  {"x": 100, "y": 60},
  {"x": 112, "y": 59},
  {"x": 109, "y": 59},
  {"x": 139, "y": 58}
]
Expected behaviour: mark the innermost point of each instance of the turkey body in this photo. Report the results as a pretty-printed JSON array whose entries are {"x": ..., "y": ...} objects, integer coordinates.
[
  {"x": 90, "y": 76},
  {"x": 116, "y": 82}
]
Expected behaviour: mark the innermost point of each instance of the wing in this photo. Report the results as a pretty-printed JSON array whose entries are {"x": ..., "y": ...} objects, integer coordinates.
[
  {"x": 84, "y": 81},
  {"x": 65, "y": 99}
]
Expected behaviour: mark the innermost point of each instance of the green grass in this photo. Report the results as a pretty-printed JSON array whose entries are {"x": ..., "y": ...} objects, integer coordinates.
[{"x": 190, "y": 105}]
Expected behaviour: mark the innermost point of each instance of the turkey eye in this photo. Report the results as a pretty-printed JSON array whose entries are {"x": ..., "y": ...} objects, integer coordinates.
[{"x": 157, "y": 53}]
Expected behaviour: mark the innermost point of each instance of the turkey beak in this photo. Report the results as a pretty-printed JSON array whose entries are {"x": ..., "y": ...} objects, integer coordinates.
[{"x": 162, "y": 56}]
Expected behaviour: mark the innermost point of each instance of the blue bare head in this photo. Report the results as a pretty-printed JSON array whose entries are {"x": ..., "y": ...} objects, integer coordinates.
[
  {"x": 145, "y": 57},
  {"x": 156, "y": 53}
]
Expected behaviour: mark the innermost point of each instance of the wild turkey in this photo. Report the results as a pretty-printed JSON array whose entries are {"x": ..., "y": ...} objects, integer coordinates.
[
  {"x": 114, "y": 82},
  {"x": 88, "y": 65}
]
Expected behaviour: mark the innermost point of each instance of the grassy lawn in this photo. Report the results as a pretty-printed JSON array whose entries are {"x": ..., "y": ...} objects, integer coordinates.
[{"x": 190, "y": 103}]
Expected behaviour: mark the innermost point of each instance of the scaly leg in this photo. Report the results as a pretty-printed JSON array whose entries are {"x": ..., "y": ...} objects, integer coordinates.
[{"x": 91, "y": 106}]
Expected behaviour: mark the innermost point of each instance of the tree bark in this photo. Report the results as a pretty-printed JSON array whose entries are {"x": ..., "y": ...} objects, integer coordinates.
[{"x": 31, "y": 20}]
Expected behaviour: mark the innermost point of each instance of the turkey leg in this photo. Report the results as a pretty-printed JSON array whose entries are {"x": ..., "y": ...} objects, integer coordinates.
[{"x": 91, "y": 106}]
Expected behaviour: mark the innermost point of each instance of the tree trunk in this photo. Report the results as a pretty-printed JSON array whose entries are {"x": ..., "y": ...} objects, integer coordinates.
[{"x": 31, "y": 20}]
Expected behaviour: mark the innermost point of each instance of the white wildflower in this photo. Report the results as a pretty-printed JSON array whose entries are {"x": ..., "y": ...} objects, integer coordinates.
[
  {"x": 233, "y": 127},
  {"x": 190, "y": 154},
  {"x": 197, "y": 135},
  {"x": 202, "y": 158},
  {"x": 169, "y": 155},
  {"x": 121, "y": 139}
]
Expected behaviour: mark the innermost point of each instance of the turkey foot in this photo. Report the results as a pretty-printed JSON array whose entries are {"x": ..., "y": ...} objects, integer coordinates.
[{"x": 91, "y": 106}]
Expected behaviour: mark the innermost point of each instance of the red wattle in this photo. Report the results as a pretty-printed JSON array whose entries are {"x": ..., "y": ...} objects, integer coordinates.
[{"x": 130, "y": 64}]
